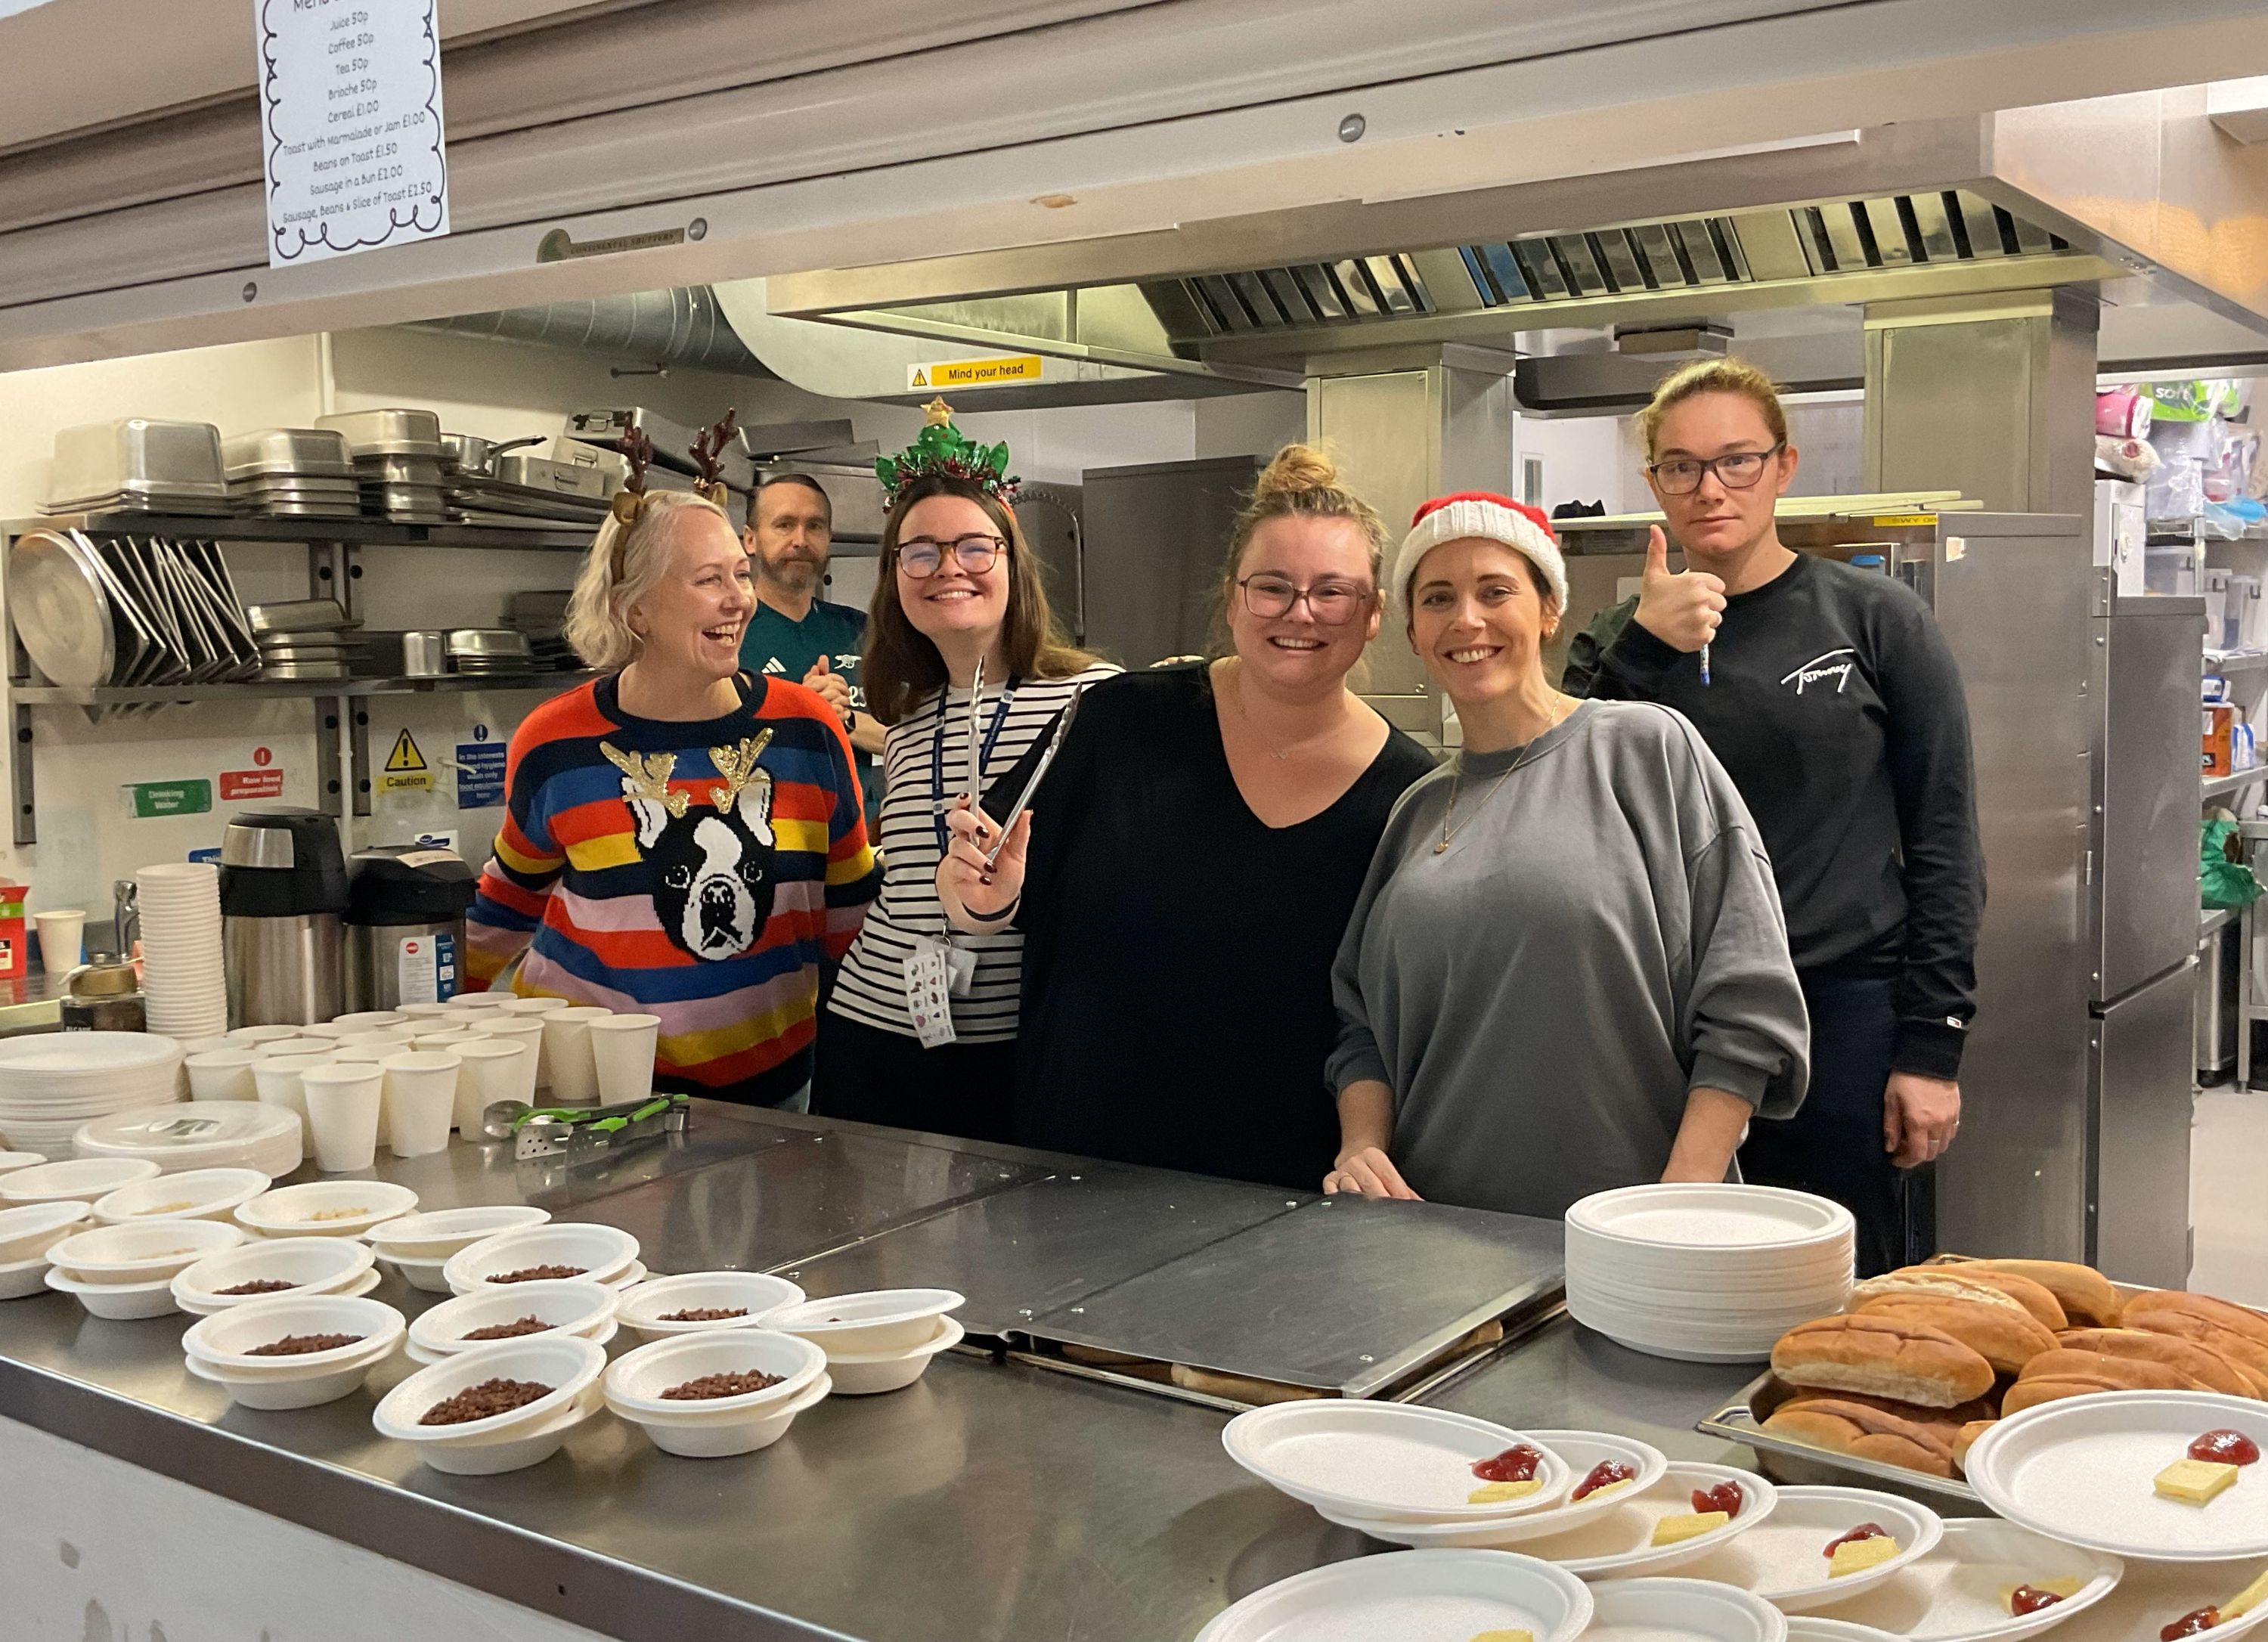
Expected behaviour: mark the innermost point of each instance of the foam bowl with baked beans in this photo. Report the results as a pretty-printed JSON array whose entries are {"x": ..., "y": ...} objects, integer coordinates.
[
  {"x": 263, "y": 1271},
  {"x": 524, "y": 1433},
  {"x": 570, "y": 1305},
  {"x": 232, "y": 1340},
  {"x": 693, "y": 1301},
  {"x": 563, "y": 1249},
  {"x": 876, "y": 1321}
]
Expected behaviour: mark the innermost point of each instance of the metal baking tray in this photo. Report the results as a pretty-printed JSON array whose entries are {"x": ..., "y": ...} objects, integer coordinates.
[
  {"x": 299, "y": 615},
  {"x": 135, "y": 456},
  {"x": 287, "y": 453},
  {"x": 551, "y": 478},
  {"x": 387, "y": 432}
]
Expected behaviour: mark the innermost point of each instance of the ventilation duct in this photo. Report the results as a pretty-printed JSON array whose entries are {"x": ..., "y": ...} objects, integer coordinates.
[{"x": 681, "y": 328}]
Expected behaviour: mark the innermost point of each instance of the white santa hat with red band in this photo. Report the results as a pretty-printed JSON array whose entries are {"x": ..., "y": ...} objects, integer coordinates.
[{"x": 1491, "y": 518}]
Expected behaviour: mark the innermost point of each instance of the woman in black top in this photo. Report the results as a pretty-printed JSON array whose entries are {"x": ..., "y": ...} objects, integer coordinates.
[
  {"x": 1829, "y": 695},
  {"x": 1186, "y": 1025}
]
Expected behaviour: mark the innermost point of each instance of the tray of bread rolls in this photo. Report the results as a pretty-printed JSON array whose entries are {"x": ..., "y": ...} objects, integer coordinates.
[{"x": 1923, "y": 1360}]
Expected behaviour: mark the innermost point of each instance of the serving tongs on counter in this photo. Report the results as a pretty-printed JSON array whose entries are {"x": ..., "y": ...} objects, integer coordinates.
[{"x": 574, "y": 1131}]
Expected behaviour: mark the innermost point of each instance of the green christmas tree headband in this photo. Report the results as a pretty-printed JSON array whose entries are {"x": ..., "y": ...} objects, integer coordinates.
[{"x": 945, "y": 451}]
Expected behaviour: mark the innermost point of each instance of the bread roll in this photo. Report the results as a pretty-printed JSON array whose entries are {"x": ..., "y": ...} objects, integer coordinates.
[
  {"x": 2003, "y": 1334},
  {"x": 2251, "y": 1359},
  {"x": 2235, "y": 1319},
  {"x": 2049, "y": 1388},
  {"x": 2086, "y": 1295},
  {"x": 1948, "y": 1419},
  {"x": 1850, "y": 1428},
  {"x": 2208, "y": 1368},
  {"x": 1965, "y": 1439},
  {"x": 1931, "y": 1282},
  {"x": 2127, "y": 1373},
  {"x": 1882, "y": 1356},
  {"x": 2036, "y": 1298}
]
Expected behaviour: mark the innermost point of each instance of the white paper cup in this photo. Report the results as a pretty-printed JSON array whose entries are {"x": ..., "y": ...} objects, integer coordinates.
[
  {"x": 463, "y": 1002},
  {"x": 262, "y": 1034},
  {"x": 527, "y": 1029},
  {"x": 414, "y": 1014},
  {"x": 440, "y": 1038},
  {"x": 222, "y": 1075},
  {"x": 370, "y": 1020},
  {"x": 421, "y": 1094},
  {"x": 622, "y": 1052},
  {"x": 295, "y": 1044},
  {"x": 494, "y": 1069},
  {"x": 276, "y": 1080},
  {"x": 61, "y": 933},
  {"x": 567, "y": 1046},
  {"x": 342, "y": 1104},
  {"x": 534, "y": 1005}
]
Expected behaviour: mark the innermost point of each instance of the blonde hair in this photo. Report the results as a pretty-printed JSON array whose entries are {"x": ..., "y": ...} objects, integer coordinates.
[
  {"x": 1302, "y": 481},
  {"x": 1713, "y": 376},
  {"x": 626, "y": 562}
]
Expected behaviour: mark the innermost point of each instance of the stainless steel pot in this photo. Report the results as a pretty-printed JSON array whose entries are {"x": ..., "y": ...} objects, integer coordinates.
[
  {"x": 424, "y": 653},
  {"x": 470, "y": 454}
]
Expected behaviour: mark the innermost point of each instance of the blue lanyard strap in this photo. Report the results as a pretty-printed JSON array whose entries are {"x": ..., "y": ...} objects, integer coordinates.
[{"x": 983, "y": 757}]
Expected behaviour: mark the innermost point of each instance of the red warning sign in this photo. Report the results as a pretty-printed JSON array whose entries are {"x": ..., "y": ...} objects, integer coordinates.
[{"x": 251, "y": 783}]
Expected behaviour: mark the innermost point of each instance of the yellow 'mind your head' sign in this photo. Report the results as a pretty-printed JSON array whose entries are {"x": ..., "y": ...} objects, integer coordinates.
[{"x": 1023, "y": 367}]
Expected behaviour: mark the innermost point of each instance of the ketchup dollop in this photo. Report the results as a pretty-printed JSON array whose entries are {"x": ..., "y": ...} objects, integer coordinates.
[
  {"x": 2030, "y": 1599},
  {"x": 1724, "y": 1496},
  {"x": 2226, "y": 1448},
  {"x": 1865, "y": 1530},
  {"x": 1603, "y": 1475},
  {"x": 1515, "y": 1464},
  {"x": 2190, "y": 1625}
]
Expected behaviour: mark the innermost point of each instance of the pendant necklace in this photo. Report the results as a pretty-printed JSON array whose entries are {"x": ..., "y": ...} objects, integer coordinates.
[{"x": 1559, "y": 714}]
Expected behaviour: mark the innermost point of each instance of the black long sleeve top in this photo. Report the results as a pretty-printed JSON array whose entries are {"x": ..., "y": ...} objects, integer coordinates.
[{"x": 1837, "y": 709}]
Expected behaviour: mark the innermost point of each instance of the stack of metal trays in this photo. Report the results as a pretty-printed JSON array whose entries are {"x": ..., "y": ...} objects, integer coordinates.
[
  {"x": 305, "y": 639},
  {"x": 292, "y": 473},
  {"x": 531, "y": 492},
  {"x": 495, "y": 652},
  {"x": 127, "y": 610},
  {"x": 397, "y": 461},
  {"x": 542, "y": 616},
  {"x": 135, "y": 465}
]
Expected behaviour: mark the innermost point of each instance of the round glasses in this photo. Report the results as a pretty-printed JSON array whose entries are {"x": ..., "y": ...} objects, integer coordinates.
[
  {"x": 1332, "y": 604},
  {"x": 921, "y": 558},
  {"x": 1738, "y": 470}
]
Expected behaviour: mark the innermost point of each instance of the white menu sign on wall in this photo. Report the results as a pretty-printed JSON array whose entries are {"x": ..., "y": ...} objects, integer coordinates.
[{"x": 350, "y": 105}]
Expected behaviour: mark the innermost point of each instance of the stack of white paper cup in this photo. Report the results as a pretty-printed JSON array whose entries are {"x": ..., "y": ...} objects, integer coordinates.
[{"x": 183, "y": 992}]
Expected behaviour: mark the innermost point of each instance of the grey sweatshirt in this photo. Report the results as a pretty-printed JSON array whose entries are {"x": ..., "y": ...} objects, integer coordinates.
[{"x": 1601, "y": 935}]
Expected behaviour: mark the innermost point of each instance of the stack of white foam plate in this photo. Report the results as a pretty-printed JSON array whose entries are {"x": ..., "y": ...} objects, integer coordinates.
[
  {"x": 51, "y": 1084},
  {"x": 198, "y": 1135},
  {"x": 182, "y": 988},
  {"x": 1711, "y": 1274}
]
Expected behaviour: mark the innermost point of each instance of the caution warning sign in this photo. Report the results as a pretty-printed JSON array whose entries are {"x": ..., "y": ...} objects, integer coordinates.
[
  {"x": 406, "y": 769},
  {"x": 1024, "y": 367}
]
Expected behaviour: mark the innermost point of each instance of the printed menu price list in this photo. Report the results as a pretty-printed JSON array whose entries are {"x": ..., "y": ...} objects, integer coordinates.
[{"x": 351, "y": 100}]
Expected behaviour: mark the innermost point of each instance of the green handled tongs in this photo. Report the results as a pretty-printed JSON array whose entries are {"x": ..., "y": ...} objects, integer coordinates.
[{"x": 550, "y": 1131}]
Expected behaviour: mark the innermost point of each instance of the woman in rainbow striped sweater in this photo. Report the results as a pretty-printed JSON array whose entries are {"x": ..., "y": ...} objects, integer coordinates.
[{"x": 679, "y": 837}]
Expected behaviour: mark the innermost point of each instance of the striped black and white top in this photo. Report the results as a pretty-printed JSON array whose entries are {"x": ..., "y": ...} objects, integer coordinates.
[{"x": 871, "y": 987}]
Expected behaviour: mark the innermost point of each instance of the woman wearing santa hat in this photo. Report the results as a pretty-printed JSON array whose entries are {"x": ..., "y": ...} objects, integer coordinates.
[{"x": 1567, "y": 970}]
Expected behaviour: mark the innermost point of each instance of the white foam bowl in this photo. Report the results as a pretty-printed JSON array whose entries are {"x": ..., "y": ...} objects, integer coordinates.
[
  {"x": 310, "y": 1390},
  {"x": 20, "y": 1279},
  {"x": 27, "y": 1231},
  {"x": 441, "y": 1232},
  {"x": 716, "y": 1439},
  {"x": 311, "y": 1265},
  {"x": 329, "y": 1208},
  {"x": 224, "y": 1340},
  {"x": 636, "y": 1382},
  {"x": 879, "y": 1320},
  {"x": 148, "y": 1253},
  {"x": 570, "y": 1306},
  {"x": 570, "y": 1367},
  {"x": 1685, "y": 1607},
  {"x": 603, "y": 1253},
  {"x": 83, "y": 1179},
  {"x": 193, "y": 1194},
  {"x": 872, "y": 1373},
  {"x": 1392, "y": 1596},
  {"x": 646, "y": 1311},
  {"x": 429, "y": 1275},
  {"x": 10, "y": 1161},
  {"x": 117, "y": 1302}
]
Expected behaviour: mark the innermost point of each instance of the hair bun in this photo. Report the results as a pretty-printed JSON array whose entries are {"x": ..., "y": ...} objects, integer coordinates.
[{"x": 1297, "y": 467}]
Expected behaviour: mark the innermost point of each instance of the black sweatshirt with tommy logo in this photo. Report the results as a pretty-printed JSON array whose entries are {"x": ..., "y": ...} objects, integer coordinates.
[{"x": 1837, "y": 709}]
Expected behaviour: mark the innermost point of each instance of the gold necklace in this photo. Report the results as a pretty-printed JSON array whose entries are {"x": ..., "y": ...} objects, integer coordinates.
[{"x": 1456, "y": 779}]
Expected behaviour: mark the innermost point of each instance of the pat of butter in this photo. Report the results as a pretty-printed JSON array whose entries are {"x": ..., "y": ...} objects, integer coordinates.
[
  {"x": 1859, "y": 1555},
  {"x": 2065, "y": 1587},
  {"x": 2195, "y": 1481},
  {"x": 1674, "y": 1530},
  {"x": 1505, "y": 1636},
  {"x": 1488, "y": 1493},
  {"x": 1603, "y": 1491},
  {"x": 2246, "y": 1600}
]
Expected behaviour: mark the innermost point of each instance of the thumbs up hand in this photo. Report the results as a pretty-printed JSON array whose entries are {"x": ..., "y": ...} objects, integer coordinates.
[
  {"x": 1684, "y": 610},
  {"x": 831, "y": 686}
]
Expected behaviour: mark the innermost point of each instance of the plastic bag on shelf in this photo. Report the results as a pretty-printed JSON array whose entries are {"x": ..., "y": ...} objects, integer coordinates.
[
  {"x": 2124, "y": 458},
  {"x": 2224, "y": 879}
]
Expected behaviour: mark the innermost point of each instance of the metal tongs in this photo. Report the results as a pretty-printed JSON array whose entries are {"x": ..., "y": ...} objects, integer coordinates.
[
  {"x": 551, "y": 1131},
  {"x": 1039, "y": 774}
]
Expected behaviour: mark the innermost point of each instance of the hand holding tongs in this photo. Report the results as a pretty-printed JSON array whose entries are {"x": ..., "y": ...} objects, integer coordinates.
[{"x": 1032, "y": 783}]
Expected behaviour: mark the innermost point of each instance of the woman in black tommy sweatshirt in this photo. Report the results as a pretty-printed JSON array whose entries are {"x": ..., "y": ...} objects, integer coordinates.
[{"x": 1827, "y": 694}]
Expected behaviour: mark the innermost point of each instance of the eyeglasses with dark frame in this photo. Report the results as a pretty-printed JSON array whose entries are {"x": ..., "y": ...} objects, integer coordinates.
[
  {"x": 1331, "y": 603},
  {"x": 1735, "y": 470},
  {"x": 921, "y": 558}
]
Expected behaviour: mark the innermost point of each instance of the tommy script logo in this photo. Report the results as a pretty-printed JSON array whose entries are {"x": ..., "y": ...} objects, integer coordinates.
[{"x": 1822, "y": 667}]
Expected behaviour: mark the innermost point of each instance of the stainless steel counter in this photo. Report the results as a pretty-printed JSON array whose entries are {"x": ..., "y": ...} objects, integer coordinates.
[{"x": 993, "y": 1499}]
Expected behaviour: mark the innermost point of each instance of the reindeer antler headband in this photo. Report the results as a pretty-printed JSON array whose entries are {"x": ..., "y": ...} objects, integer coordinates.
[
  {"x": 946, "y": 449},
  {"x": 707, "y": 453}
]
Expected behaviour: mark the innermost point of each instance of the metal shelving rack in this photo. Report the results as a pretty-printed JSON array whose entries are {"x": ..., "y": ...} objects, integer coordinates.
[{"x": 334, "y": 547}]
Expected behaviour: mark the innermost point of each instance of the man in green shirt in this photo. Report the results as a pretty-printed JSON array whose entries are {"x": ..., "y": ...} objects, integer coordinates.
[{"x": 795, "y": 633}]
